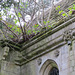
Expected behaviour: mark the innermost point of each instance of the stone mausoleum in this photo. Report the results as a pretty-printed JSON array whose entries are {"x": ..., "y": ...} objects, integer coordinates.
[{"x": 51, "y": 52}]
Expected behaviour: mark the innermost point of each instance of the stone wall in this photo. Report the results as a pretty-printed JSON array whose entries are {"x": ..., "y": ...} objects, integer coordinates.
[
  {"x": 9, "y": 68},
  {"x": 54, "y": 47},
  {"x": 7, "y": 64}
]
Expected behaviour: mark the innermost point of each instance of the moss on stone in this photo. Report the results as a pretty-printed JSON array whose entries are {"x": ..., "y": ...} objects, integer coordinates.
[
  {"x": 63, "y": 23},
  {"x": 10, "y": 44}
]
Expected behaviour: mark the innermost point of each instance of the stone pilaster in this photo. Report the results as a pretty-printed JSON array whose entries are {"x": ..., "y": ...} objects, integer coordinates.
[{"x": 68, "y": 37}]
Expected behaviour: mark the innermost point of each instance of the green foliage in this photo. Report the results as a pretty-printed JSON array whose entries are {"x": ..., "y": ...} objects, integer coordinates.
[
  {"x": 6, "y": 3},
  {"x": 12, "y": 29},
  {"x": 74, "y": 6},
  {"x": 50, "y": 26},
  {"x": 34, "y": 31},
  {"x": 70, "y": 12},
  {"x": 9, "y": 16},
  {"x": 11, "y": 36},
  {"x": 36, "y": 25},
  {"x": 21, "y": 6},
  {"x": 70, "y": 9},
  {"x": 58, "y": 7},
  {"x": 19, "y": 14},
  {"x": 45, "y": 22},
  {"x": 60, "y": 11},
  {"x": 17, "y": 29},
  {"x": 64, "y": 15},
  {"x": 48, "y": 21},
  {"x": 0, "y": 17},
  {"x": 26, "y": 5},
  {"x": 29, "y": 32},
  {"x": 21, "y": 3},
  {"x": 16, "y": 21},
  {"x": 10, "y": 26},
  {"x": 37, "y": 31},
  {"x": 5, "y": 11}
]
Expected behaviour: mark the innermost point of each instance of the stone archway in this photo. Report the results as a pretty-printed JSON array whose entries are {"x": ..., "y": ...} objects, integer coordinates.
[
  {"x": 54, "y": 71},
  {"x": 47, "y": 66}
]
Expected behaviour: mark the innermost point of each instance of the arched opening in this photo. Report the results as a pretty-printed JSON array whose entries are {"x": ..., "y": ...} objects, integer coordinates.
[
  {"x": 54, "y": 71},
  {"x": 49, "y": 68}
]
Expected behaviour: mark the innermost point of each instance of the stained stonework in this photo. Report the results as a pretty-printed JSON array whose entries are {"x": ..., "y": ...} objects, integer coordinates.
[
  {"x": 54, "y": 51},
  {"x": 39, "y": 61},
  {"x": 52, "y": 48},
  {"x": 57, "y": 53}
]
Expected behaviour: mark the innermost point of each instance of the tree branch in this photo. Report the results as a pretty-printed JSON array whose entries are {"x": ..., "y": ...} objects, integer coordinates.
[{"x": 8, "y": 28}]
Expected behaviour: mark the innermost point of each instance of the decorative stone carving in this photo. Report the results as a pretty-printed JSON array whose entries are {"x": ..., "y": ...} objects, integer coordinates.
[
  {"x": 68, "y": 37},
  {"x": 6, "y": 51},
  {"x": 56, "y": 53},
  {"x": 39, "y": 61}
]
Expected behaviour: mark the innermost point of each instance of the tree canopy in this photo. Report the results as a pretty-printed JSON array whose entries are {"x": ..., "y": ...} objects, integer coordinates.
[{"x": 22, "y": 19}]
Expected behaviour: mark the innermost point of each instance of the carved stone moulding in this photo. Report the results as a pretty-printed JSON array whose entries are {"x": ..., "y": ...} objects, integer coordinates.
[
  {"x": 39, "y": 61},
  {"x": 68, "y": 36},
  {"x": 6, "y": 51},
  {"x": 56, "y": 53}
]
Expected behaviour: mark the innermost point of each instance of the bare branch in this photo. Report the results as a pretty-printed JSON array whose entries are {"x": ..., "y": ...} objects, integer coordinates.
[
  {"x": 50, "y": 10},
  {"x": 38, "y": 18},
  {"x": 2, "y": 33},
  {"x": 5, "y": 23},
  {"x": 19, "y": 22},
  {"x": 37, "y": 3}
]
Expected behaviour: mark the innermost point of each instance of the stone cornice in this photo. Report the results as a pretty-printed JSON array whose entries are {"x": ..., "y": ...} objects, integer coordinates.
[
  {"x": 10, "y": 44},
  {"x": 43, "y": 50},
  {"x": 47, "y": 33},
  {"x": 29, "y": 53}
]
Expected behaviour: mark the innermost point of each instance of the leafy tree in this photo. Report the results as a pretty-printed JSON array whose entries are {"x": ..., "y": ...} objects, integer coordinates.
[
  {"x": 23, "y": 18},
  {"x": 17, "y": 22}
]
